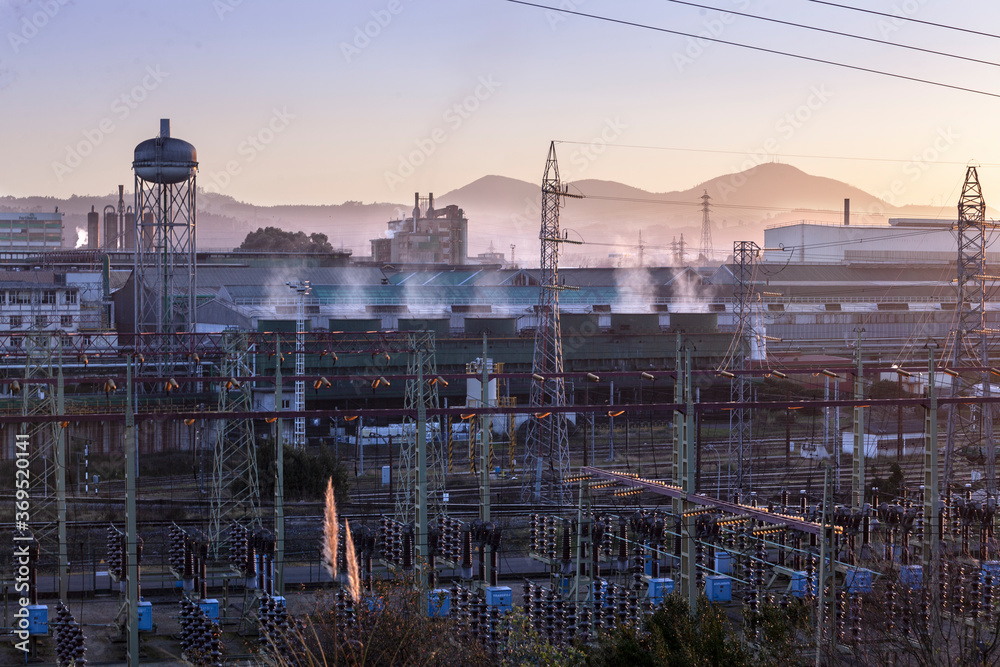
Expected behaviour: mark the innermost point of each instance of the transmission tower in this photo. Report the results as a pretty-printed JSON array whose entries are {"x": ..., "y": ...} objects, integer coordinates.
[
  {"x": 745, "y": 255},
  {"x": 421, "y": 395},
  {"x": 165, "y": 280},
  {"x": 546, "y": 457},
  {"x": 235, "y": 483},
  {"x": 705, "y": 251},
  {"x": 970, "y": 338}
]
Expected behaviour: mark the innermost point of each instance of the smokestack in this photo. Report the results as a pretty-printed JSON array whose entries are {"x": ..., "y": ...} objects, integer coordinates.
[
  {"x": 164, "y": 127},
  {"x": 416, "y": 210},
  {"x": 847, "y": 212},
  {"x": 93, "y": 224}
]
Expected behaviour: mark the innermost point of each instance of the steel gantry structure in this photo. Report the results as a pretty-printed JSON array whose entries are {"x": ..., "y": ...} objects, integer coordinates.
[
  {"x": 745, "y": 256},
  {"x": 546, "y": 455},
  {"x": 422, "y": 459},
  {"x": 235, "y": 482},
  {"x": 970, "y": 339}
]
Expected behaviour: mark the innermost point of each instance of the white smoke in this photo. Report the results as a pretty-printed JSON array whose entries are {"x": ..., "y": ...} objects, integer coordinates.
[
  {"x": 635, "y": 287},
  {"x": 81, "y": 237}
]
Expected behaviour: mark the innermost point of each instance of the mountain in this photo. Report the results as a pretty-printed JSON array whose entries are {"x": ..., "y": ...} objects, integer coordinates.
[{"x": 505, "y": 212}]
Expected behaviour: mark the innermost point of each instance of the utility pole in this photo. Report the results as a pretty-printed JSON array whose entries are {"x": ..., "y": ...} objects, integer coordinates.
[
  {"x": 858, "y": 478},
  {"x": 131, "y": 530},
  {"x": 484, "y": 454},
  {"x": 279, "y": 478}
]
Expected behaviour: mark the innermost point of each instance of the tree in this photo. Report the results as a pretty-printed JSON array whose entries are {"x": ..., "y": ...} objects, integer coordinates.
[{"x": 274, "y": 239}]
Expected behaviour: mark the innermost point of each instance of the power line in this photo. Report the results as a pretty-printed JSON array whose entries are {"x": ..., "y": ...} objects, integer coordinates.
[
  {"x": 669, "y": 202},
  {"x": 777, "y": 155},
  {"x": 907, "y": 18},
  {"x": 757, "y": 48},
  {"x": 838, "y": 33}
]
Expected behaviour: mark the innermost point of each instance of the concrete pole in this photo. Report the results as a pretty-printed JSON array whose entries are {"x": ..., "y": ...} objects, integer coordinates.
[
  {"x": 60, "y": 470},
  {"x": 131, "y": 530},
  {"x": 279, "y": 478},
  {"x": 484, "y": 454},
  {"x": 931, "y": 483},
  {"x": 858, "y": 478}
]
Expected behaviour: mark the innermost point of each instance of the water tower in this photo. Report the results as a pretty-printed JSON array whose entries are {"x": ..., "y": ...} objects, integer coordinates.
[{"x": 164, "y": 246}]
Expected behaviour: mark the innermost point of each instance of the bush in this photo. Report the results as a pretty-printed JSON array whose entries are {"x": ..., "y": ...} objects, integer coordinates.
[{"x": 305, "y": 474}]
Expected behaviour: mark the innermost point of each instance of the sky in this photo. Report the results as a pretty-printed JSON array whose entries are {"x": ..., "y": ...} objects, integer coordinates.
[{"x": 324, "y": 102}]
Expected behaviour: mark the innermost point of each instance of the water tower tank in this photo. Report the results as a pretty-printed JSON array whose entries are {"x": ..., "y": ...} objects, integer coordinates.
[{"x": 165, "y": 159}]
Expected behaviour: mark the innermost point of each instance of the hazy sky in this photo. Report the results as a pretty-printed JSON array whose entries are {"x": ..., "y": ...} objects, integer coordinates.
[{"x": 322, "y": 102}]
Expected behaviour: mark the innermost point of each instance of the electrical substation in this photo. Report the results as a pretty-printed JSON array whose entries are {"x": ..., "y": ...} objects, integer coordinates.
[{"x": 549, "y": 441}]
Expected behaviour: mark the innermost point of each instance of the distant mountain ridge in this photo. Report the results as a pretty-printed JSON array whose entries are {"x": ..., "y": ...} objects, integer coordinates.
[{"x": 505, "y": 211}]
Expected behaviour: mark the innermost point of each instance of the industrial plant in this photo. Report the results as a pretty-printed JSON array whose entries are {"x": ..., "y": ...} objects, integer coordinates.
[{"x": 804, "y": 428}]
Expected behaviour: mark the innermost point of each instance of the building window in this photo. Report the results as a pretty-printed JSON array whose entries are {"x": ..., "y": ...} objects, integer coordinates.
[
  {"x": 66, "y": 321},
  {"x": 41, "y": 321},
  {"x": 49, "y": 296},
  {"x": 20, "y": 298},
  {"x": 71, "y": 296},
  {"x": 286, "y": 403},
  {"x": 16, "y": 322}
]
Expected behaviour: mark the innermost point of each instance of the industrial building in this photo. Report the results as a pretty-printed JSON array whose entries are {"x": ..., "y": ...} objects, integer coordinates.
[
  {"x": 26, "y": 232},
  {"x": 428, "y": 236},
  {"x": 903, "y": 241}
]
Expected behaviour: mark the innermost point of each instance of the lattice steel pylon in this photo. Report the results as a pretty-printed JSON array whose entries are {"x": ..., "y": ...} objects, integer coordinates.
[
  {"x": 745, "y": 255},
  {"x": 46, "y": 443},
  {"x": 546, "y": 455},
  {"x": 421, "y": 366},
  {"x": 705, "y": 251},
  {"x": 970, "y": 339},
  {"x": 165, "y": 274},
  {"x": 235, "y": 482}
]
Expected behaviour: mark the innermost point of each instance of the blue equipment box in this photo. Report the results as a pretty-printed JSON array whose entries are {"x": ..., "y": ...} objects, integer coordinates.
[
  {"x": 500, "y": 597},
  {"x": 800, "y": 584},
  {"x": 911, "y": 577},
  {"x": 211, "y": 608},
  {"x": 718, "y": 588},
  {"x": 723, "y": 562},
  {"x": 38, "y": 619},
  {"x": 659, "y": 588},
  {"x": 145, "y": 616},
  {"x": 858, "y": 581},
  {"x": 992, "y": 568},
  {"x": 439, "y": 603}
]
